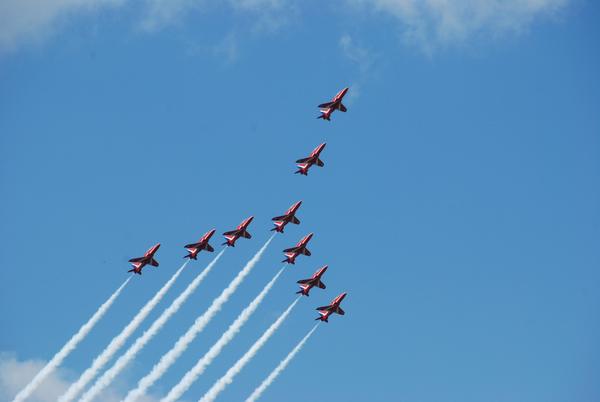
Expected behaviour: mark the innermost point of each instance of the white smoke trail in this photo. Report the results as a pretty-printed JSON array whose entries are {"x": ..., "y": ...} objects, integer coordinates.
[
  {"x": 140, "y": 342},
  {"x": 118, "y": 341},
  {"x": 69, "y": 346},
  {"x": 227, "y": 379},
  {"x": 192, "y": 375},
  {"x": 201, "y": 322},
  {"x": 279, "y": 369}
]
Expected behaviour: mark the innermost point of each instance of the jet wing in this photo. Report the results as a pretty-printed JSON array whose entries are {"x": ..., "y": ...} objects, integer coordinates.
[
  {"x": 138, "y": 259},
  {"x": 246, "y": 235},
  {"x": 231, "y": 232},
  {"x": 303, "y": 160},
  {"x": 340, "y": 311},
  {"x": 321, "y": 285},
  {"x": 295, "y": 221},
  {"x": 304, "y": 281},
  {"x": 154, "y": 263},
  {"x": 193, "y": 245},
  {"x": 209, "y": 248},
  {"x": 343, "y": 108},
  {"x": 290, "y": 250},
  {"x": 324, "y": 105},
  {"x": 279, "y": 218},
  {"x": 323, "y": 308},
  {"x": 306, "y": 252}
]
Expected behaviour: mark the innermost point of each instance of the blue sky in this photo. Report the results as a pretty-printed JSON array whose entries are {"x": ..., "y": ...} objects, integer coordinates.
[{"x": 458, "y": 205}]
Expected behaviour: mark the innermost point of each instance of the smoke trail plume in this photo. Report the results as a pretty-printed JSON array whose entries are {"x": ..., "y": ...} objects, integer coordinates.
[
  {"x": 118, "y": 341},
  {"x": 227, "y": 379},
  {"x": 279, "y": 369},
  {"x": 201, "y": 322},
  {"x": 192, "y": 375},
  {"x": 69, "y": 346},
  {"x": 140, "y": 342}
]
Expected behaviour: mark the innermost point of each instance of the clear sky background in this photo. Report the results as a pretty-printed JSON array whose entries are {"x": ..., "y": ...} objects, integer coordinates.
[{"x": 459, "y": 204}]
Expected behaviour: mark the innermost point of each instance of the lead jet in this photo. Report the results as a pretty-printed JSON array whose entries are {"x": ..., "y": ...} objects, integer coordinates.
[
  {"x": 148, "y": 258},
  {"x": 305, "y": 163},
  {"x": 307, "y": 284},
  {"x": 336, "y": 104},
  {"x": 240, "y": 231},
  {"x": 334, "y": 307},
  {"x": 300, "y": 248},
  {"x": 290, "y": 216},
  {"x": 202, "y": 244}
]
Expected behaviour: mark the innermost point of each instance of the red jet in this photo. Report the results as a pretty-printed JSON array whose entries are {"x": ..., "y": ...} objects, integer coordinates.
[
  {"x": 290, "y": 216},
  {"x": 335, "y": 104},
  {"x": 241, "y": 231},
  {"x": 305, "y": 163},
  {"x": 292, "y": 253},
  {"x": 148, "y": 258},
  {"x": 307, "y": 284},
  {"x": 202, "y": 244},
  {"x": 334, "y": 307}
]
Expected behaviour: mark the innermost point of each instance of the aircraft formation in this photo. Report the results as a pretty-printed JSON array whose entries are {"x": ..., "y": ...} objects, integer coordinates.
[{"x": 303, "y": 164}]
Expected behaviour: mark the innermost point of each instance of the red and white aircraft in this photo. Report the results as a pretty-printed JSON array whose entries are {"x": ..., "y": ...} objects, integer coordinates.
[
  {"x": 334, "y": 307},
  {"x": 240, "y": 231},
  {"x": 290, "y": 216},
  {"x": 148, "y": 258},
  {"x": 335, "y": 104},
  {"x": 307, "y": 284},
  {"x": 300, "y": 248},
  {"x": 202, "y": 244},
  {"x": 305, "y": 163}
]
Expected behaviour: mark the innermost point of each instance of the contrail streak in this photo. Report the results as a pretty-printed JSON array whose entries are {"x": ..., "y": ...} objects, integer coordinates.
[
  {"x": 279, "y": 369},
  {"x": 201, "y": 322},
  {"x": 192, "y": 375},
  {"x": 141, "y": 341},
  {"x": 118, "y": 341},
  {"x": 69, "y": 346},
  {"x": 227, "y": 379}
]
